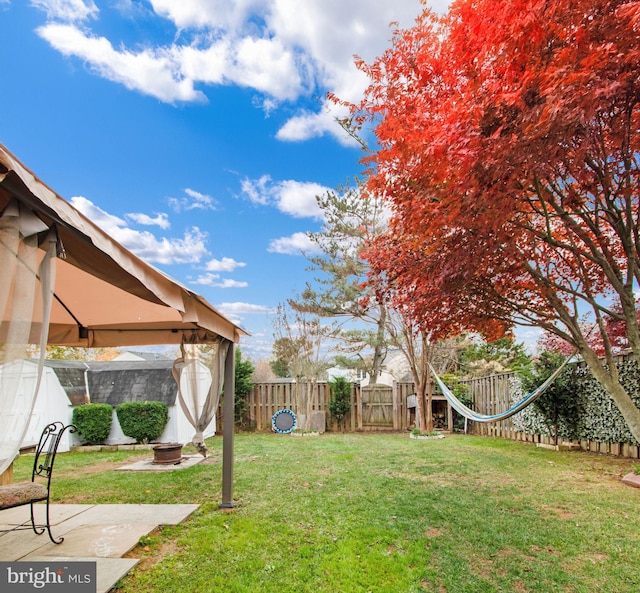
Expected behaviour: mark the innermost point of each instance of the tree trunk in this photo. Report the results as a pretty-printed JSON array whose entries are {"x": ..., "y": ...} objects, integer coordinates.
[
  {"x": 429, "y": 412},
  {"x": 623, "y": 401},
  {"x": 298, "y": 396},
  {"x": 379, "y": 353},
  {"x": 308, "y": 406},
  {"x": 421, "y": 411}
]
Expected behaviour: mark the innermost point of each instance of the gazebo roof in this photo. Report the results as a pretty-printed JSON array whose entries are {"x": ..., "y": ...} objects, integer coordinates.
[{"x": 104, "y": 294}]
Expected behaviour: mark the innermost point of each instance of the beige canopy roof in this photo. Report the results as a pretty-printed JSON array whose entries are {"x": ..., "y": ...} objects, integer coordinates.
[{"x": 103, "y": 294}]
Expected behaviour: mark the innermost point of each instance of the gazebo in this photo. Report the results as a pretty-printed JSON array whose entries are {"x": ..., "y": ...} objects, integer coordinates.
[{"x": 66, "y": 282}]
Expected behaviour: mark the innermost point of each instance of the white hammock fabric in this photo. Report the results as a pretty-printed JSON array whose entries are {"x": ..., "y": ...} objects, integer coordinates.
[{"x": 470, "y": 414}]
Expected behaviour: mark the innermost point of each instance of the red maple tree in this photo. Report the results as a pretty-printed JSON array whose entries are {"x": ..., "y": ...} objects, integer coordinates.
[
  {"x": 508, "y": 139},
  {"x": 616, "y": 332}
]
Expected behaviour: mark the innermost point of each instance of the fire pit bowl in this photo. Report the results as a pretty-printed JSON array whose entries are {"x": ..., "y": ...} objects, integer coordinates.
[{"x": 167, "y": 453}]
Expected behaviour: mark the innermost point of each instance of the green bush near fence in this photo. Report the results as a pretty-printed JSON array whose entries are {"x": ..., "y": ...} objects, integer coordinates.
[
  {"x": 93, "y": 422},
  {"x": 561, "y": 410},
  {"x": 142, "y": 421},
  {"x": 340, "y": 402},
  {"x": 243, "y": 385}
]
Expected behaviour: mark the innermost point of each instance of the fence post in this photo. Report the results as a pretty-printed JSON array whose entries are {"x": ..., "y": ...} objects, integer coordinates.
[{"x": 395, "y": 404}]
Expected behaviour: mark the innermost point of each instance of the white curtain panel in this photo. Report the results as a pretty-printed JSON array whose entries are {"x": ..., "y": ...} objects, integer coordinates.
[
  {"x": 199, "y": 388},
  {"x": 22, "y": 279}
]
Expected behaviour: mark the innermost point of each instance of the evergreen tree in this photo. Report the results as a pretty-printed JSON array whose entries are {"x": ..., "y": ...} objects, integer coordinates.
[
  {"x": 352, "y": 218},
  {"x": 340, "y": 402},
  {"x": 243, "y": 371}
]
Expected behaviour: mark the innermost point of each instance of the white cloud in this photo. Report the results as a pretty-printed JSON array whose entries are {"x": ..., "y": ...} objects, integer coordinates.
[
  {"x": 257, "y": 190},
  {"x": 267, "y": 66},
  {"x": 129, "y": 8},
  {"x": 257, "y": 347},
  {"x": 282, "y": 49},
  {"x": 209, "y": 64},
  {"x": 308, "y": 125},
  {"x": 207, "y": 14},
  {"x": 67, "y": 10},
  {"x": 296, "y": 244},
  {"x": 226, "y": 264},
  {"x": 192, "y": 200},
  {"x": 107, "y": 222},
  {"x": 199, "y": 200},
  {"x": 228, "y": 283},
  {"x": 240, "y": 308},
  {"x": 237, "y": 312},
  {"x": 295, "y": 198},
  {"x": 299, "y": 199},
  {"x": 161, "y": 219},
  {"x": 191, "y": 248},
  {"x": 261, "y": 64},
  {"x": 154, "y": 72},
  {"x": 214, "y": 281}
]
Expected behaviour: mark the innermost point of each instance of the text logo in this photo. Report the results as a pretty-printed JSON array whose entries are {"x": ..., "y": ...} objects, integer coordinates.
[{"x": 48, "y": 577}]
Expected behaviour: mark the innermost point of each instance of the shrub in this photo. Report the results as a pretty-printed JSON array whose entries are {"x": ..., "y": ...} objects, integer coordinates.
[
  {"x": 142, "y": 421},
  {"x": 340, "y": 402},
  {"x": 560, "y": 408},
  {"x": 243, "y": 384},
  {"x": 93, "y": 422}
]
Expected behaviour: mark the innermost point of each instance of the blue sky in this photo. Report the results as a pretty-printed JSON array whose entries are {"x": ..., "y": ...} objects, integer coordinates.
[{"x": 197, "y": 132}]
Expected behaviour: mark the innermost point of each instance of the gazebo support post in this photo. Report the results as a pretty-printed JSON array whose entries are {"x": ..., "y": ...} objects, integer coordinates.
[{"x": 228, "y": 429}]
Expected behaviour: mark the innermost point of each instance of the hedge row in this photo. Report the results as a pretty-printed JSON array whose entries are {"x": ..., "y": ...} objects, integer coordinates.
[{"x": 142, "y": 421}]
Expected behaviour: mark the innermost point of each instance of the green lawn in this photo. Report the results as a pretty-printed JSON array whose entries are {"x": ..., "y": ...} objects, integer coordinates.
[{"x": 380, "y": 513}]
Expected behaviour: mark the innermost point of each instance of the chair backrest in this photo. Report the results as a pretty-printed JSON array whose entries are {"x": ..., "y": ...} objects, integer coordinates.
[{"x": 47, "y": 449}]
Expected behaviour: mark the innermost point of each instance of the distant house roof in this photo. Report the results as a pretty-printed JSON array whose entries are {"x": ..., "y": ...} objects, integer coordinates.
[
  {"x": 351, "y": 375},
  {"x": 115, "y": 382},
  {"x": 398, "y": 366}
]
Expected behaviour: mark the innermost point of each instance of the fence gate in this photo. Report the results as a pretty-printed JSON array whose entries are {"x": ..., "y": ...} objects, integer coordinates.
[{"x": 377, "y": 406}]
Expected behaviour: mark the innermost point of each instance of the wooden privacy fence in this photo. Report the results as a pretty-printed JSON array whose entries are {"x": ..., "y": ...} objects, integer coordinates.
[
  {"x": 491, "y": 395},
  {"x": 385, "y": 407},
  {"x": 374, "y": 407},
  {"x": 265, "y": 399}
]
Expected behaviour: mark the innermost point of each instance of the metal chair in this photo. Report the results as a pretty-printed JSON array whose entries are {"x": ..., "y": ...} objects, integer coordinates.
[{"x": 38, "y": 489}]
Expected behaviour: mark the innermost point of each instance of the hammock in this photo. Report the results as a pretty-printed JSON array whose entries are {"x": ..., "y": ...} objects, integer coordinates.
[{"x": 459, "y": 407}]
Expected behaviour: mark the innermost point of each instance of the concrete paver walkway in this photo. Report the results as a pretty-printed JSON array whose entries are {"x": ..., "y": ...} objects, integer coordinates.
[{"x": 103, "y": 533}]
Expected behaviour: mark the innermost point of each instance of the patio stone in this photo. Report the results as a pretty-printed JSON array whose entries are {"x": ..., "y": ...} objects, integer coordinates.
[
  {"x": 108, "y": 570},
  {"x": 102, "y": 533},
  {"x": 148, "y": 465}
]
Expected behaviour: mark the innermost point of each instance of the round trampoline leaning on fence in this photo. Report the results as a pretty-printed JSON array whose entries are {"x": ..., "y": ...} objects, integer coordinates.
[{"x": 284, "y": 421}]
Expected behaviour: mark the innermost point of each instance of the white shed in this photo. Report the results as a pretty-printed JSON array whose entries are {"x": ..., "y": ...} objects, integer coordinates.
[
  {"x": 67, "y": 383},
  {"x": 51, "y": 404}
]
